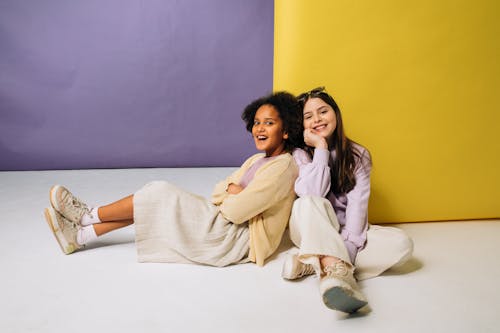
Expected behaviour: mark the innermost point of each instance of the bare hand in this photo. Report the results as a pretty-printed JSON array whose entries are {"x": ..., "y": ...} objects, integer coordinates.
[
  {"x": 314, "y": 140},
  {"x": 234, "y": 188}
]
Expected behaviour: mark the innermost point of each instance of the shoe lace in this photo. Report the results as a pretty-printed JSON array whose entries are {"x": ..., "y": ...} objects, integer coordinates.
[
  {"x": 336, "y": 269},
  {"x": 70, "y": 200},
  {"x": 306, "y": 269}
]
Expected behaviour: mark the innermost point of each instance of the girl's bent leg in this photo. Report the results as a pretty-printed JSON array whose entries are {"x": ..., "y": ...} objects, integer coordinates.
[
  {"x": 121, "y": 210},
  {"x": 314, "y": 230},
  {"x": 385, "y": 247}
]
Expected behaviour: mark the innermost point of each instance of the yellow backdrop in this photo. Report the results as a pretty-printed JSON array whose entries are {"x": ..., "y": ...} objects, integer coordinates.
[{"x": 418, "y": 84}]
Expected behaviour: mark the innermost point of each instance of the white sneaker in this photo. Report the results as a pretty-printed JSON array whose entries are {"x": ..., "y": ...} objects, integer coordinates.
[
  {"x": 67, "y": 204},
  {"x": 293, "y": 268},
  {"x": 340, "y": 290},
  {"x": 64, "y": 230}
]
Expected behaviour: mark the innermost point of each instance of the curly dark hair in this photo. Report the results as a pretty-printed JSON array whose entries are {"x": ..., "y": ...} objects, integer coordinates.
[{"x": 289, "y": 111}]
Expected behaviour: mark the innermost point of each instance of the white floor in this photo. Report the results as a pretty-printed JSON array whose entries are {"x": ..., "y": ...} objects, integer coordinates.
[{"x": 451, "y": 285}]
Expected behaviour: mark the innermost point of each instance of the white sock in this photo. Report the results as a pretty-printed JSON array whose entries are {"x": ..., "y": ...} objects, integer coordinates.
[
  {"x": 92, "y": 218},
  {"x": 85, "y": 235}
]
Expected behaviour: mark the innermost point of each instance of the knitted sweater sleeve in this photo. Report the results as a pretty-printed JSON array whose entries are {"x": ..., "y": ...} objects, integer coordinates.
[
  {"x": 219, "y": 194},
  {"x": 314, "y": 176},
  {"x": 356, "y": 215}
]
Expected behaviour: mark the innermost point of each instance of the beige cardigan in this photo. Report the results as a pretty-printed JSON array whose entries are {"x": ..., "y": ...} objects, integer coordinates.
[{"x": 265, "y": 203}]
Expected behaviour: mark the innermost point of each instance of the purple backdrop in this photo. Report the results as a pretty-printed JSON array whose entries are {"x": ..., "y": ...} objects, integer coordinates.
[{"x": 113, "y": 84}]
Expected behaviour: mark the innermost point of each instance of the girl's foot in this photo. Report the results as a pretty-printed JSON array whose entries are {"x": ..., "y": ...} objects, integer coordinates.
[
  {"x": 68, "y": 205},
  {"x": 293, "y": 268},
  {"x": 64, "y": 230},
  {"x": 340, "y": 290}
]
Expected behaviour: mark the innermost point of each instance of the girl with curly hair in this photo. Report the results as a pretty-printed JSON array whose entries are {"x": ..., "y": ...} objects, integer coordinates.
[{"x": 243, "y": 222}]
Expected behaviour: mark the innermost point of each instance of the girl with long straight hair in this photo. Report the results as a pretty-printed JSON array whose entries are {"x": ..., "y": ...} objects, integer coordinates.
[{"x": 329, "y": 220}]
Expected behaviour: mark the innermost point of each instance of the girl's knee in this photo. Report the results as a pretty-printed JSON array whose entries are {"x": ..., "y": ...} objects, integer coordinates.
[
  {"x": 404, "y": 245},
  {"x": 405, "y": 242}
]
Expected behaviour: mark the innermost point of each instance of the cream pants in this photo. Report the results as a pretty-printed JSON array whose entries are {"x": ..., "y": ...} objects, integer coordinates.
[{"x": 314, "y": 229}]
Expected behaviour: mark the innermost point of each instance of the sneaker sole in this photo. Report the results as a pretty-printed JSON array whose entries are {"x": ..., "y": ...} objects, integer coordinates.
[
  {"x": 337, "y": 298},
  {"x": 50, "y": 217},
  {"x": 53, "y": 198}
]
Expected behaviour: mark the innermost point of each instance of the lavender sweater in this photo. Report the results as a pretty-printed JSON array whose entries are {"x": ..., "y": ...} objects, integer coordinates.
[{"x": 351, "y": 208}]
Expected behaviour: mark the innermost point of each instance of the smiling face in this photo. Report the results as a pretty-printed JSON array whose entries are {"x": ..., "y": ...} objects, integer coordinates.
[
  {"x": 267, "y": 131},
  {"x": 319, "y": 117}
]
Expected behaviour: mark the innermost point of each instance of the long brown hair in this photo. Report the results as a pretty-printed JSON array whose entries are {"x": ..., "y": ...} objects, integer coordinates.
[{"x": 342, "y": 173}]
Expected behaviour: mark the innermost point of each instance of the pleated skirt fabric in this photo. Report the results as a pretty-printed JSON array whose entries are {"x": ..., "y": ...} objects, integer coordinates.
[{"x": 176, "y": 226}]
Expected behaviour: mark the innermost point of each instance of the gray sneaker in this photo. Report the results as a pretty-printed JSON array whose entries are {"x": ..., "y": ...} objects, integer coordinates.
[
  {"x": 293, "y": 268},
  {"x": 67, "y": 204},
  {"x": 340, "y": 290},
  {"x": 64, "y": 230}
]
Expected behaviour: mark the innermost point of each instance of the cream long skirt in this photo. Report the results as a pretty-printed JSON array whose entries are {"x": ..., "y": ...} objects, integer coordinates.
[
  {"x": 314, "y": 229},
  {"x": 173, "y": 225}
]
